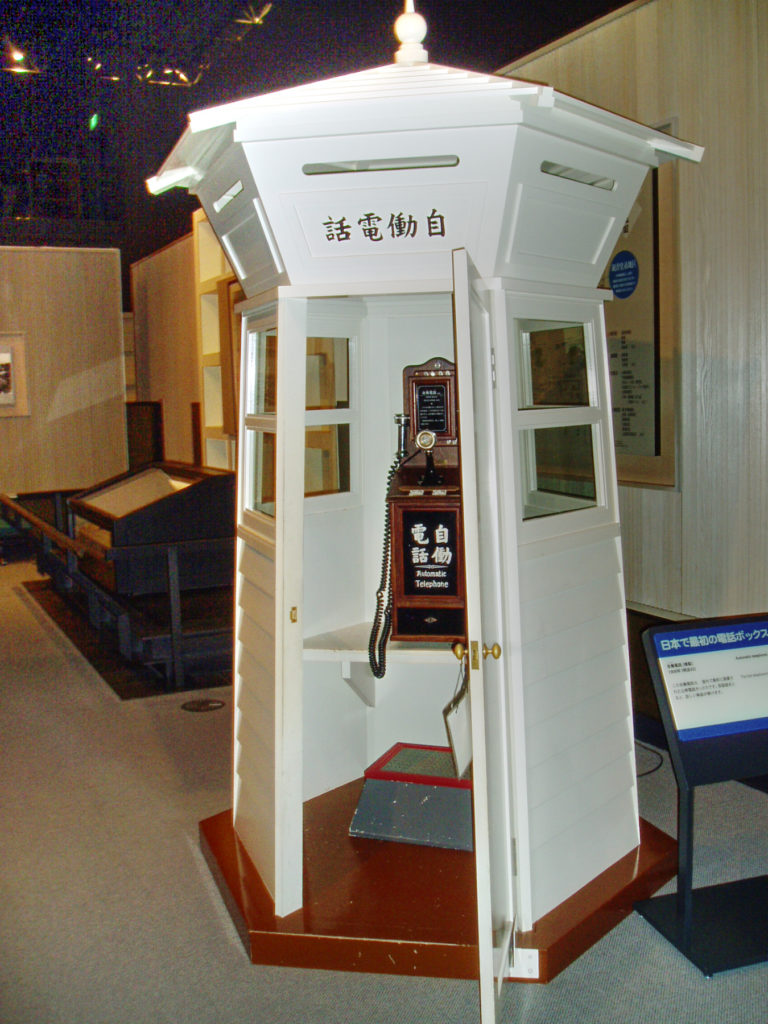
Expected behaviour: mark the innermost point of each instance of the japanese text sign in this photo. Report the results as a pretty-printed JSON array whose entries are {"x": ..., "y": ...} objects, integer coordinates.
[
  {"x": 716, "y": 678},
  {"x": 375, "y": 222},
  {"x": 430, "y": 552}
]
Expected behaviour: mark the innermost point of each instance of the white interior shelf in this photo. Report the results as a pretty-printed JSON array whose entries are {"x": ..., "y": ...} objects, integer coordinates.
[{"x": 350, "y": 643}]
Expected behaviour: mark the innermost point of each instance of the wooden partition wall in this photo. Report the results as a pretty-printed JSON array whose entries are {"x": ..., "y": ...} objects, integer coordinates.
[
  {"x": 163, "y": 296},
  {"x": 700, "y": 546},
  {"x": 62, "y": 424},
  {"x": 188, "y": 345}
]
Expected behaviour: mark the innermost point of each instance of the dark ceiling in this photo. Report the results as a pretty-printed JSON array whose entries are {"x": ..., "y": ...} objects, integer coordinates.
[
  {"x": 107, "y": 58},
  {"x": 265, "y": 44}
]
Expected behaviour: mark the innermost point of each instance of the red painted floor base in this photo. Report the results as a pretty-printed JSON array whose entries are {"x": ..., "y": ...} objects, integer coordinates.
[{"x": 392, "y": 908}]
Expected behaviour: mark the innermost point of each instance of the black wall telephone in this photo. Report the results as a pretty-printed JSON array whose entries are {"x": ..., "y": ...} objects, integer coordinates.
[{"x": 421, "y": 591}]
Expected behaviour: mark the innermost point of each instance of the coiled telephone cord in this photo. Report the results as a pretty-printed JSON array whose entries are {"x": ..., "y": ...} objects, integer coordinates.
[{"x": 382, "y": 618}]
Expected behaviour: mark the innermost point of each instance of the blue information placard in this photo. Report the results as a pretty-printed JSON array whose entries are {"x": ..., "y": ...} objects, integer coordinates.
[
  {"x": 716, "y": 678},
  {"x": 624, "y": 274},
  {"x": 710, "y": 677}
]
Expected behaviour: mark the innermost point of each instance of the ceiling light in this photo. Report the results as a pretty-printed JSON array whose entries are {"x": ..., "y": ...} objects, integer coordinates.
[{"x": 16, "y": 61}]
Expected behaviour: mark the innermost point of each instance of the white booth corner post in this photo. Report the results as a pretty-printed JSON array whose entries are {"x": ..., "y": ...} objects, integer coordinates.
[{"x": 376, "y": 222}]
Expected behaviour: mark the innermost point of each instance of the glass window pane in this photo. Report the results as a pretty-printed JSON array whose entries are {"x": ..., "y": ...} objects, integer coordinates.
[
  {"x": 261, "y": 390},
  {"x": 326, "y": 459},
  {"x": 327, "y": 373},
  {"x": 554, "y": 365},
  {"x": 260, "y": 496},
  {"x": 559, "y": 470}
]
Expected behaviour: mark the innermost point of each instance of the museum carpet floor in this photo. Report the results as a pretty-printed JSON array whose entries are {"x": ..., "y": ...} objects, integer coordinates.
[{"x": 109, "y": 914}]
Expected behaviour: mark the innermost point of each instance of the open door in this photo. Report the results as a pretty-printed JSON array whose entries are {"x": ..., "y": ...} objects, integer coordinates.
[
  {"x": 545, "y": 584},
  {"x": 267, "y": 793},
  {"x": 486, "y": 654}
]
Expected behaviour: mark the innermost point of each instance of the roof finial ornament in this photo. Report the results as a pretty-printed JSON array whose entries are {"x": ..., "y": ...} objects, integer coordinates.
[{"x": 410, "y": 29}]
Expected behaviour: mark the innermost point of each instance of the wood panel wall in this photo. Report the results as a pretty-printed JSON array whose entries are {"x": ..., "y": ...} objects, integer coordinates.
[
  {"x": 167, "y": 370},
  {"x": 700, "y": 548},
  {"x": 66, "y": 304}
]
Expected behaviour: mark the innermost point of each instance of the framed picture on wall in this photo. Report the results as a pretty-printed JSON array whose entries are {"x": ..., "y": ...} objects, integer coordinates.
[
  {"x": 13, "y": 376},
  {"x": 7, "y": 384},
  {"x": 642, "y": 326}
]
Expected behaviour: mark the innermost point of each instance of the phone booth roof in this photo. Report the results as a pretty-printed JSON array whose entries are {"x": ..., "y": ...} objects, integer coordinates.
[{"x": 378, "y": 175}]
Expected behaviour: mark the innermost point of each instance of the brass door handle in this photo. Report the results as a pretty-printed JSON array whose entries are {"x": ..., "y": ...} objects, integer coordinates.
[
  {"x": 459, "y": 650},
  {"x": 495, "y": 651}
]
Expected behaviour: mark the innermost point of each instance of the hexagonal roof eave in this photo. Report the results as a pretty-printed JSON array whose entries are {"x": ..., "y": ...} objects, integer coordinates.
[{"x": 398, "y": 97}]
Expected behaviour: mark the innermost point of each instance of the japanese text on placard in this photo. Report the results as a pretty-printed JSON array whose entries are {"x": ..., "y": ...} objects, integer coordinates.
[
  {"x": 715, "y": 677},
  {"x": 700, "y": 641},
  {"x": 429, "y": 549}
]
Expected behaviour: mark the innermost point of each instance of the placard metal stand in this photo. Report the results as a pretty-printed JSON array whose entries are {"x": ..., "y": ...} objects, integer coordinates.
[{"x": 711, "y": 683}]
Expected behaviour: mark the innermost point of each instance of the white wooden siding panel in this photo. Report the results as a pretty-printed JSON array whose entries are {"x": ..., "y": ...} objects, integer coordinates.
[
  {"x": 255, "y": 737},
  {"x": 570, "y": 608},
  {"x": 553, "y": 654},
  {"x": 571, "y": 686},
  {"x": 255, "y": 760},
  {"x": 569, "y": 860},
  {"x": 254, "y": 665},
  {"x": 259, "y": 606},
  {"x": 256, "y": 714},
  {"x": 257, "y": 569},
  {"x": 255, "y": 742},
  {"x": 570, "y": 725},
  {"x": 564, "y": 810},
  {"x": 549, "y": 574},
  {"x": 578, "y": 761},
  {"x": 255, "y": 824},
  {"x": 576, "y": 709},
  {"x": 253, "y": 638}
]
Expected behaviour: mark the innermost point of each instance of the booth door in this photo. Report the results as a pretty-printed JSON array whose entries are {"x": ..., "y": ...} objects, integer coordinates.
[
  {"x": 488, "y": 694},
  {"x": 544, "y": 567},
  {"x": 267, "y": 797}
]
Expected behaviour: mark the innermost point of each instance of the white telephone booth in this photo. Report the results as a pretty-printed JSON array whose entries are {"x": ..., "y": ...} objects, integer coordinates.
[{"x": 377, "y": 221}]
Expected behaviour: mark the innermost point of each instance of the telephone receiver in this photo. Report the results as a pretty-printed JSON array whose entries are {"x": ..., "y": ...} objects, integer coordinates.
[
  {"x": 403, "y": 421},
  {"x": 425, "y": 440}
]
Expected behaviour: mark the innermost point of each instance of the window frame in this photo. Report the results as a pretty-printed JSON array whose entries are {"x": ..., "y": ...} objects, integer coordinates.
[
  {"x": 527, "y": 314},
  {"x": 258, "y": 523}
]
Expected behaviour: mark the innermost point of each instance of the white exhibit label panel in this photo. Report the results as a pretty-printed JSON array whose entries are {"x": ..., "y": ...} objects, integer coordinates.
[
  {"x": 632, "y": 366},
  {"x": 716, "y": 678}
]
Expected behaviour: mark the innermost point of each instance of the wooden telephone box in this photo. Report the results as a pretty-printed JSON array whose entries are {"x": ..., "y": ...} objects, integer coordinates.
[
  {"x": 425, "y": 520},
  {"x": 407, "y": 213}
]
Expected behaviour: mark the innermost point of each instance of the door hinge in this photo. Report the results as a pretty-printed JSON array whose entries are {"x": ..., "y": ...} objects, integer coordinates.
[
  {"x": 513, "y": 851},
  {"x": 493, "y": 367},
  {"x": 525, "y": 965}
]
